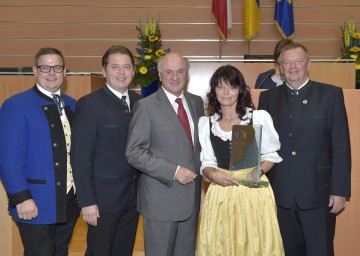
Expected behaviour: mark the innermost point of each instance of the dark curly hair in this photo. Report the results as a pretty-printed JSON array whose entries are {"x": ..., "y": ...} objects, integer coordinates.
[{"x": 233, "y": 77}]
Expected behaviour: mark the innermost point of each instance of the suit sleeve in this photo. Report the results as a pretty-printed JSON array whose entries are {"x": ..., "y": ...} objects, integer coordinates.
[
  {"x": 139, "y": 153},
  {"x": 83, "y": 143},
  {"x": 13, "y": 137},
  {"x": 341, "y": 152}
]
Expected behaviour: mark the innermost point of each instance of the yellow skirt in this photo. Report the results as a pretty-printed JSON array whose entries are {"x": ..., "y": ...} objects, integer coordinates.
[{"x": 238, "y": 220}]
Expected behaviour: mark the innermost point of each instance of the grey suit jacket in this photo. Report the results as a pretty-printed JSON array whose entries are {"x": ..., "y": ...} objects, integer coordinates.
[{"x": 157, "y": 145}]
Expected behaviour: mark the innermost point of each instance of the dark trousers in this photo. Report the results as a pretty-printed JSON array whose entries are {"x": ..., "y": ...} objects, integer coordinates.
[
  {"x": 50, "y": 239},
  {"x": 114, "y": 234},
  {"x": 307, "y": 232}
]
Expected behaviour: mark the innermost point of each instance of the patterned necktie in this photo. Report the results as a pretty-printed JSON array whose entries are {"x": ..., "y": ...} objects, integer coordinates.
[
  {"x": 59, "y": 103},
  {"x": 123, "y": 101},
  {"x": 184, "y": 119}
]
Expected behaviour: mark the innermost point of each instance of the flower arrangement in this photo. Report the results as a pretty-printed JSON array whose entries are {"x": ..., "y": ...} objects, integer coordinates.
[
  {"x": 148, "y": 52},
  {"x": 351, "y": 45}
]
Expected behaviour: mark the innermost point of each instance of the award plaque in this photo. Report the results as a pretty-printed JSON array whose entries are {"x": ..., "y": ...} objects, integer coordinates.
[{"x": 245, "y": 155}]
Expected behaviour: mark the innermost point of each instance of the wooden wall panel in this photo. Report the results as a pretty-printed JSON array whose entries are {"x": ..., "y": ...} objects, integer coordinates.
[
  {"x": 92, "y": 63},
  {"x": 138, "y": 3},
  {"x": 142, "y": 3},
  {"x": 84, "y": 30},
  {"x": 189, "y": 32},
  {"x": 118, "y": 14},
  {"x": 89, "y": 48},
  {"x": 189, "y": 14}
]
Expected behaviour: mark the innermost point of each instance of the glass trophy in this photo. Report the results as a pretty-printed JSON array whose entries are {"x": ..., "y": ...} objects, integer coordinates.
[{"x": 245, "y": 155}]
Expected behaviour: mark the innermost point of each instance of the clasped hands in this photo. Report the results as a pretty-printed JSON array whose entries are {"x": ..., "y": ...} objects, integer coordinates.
[
  {"x": 221, "y": 178},
  {"x": 226, "y": 178}
]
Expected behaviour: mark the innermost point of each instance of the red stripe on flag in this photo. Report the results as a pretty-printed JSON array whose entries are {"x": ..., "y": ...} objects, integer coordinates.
[{"x": 219, "y": 14}]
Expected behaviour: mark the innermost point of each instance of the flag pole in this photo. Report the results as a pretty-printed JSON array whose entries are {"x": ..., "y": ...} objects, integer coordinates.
[
  {"x": 247, "y": 46},
  {"x": 220, "y": 47}
]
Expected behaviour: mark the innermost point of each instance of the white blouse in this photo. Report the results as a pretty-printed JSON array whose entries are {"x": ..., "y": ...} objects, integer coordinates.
[{"x": 269, "y": 141}]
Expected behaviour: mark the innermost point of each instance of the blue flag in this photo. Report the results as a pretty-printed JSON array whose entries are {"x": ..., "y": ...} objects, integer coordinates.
[{"x": 284, "y": 18}]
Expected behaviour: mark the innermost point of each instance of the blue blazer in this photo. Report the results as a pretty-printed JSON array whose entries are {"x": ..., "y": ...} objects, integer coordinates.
[{"x": 33, "y": 154}]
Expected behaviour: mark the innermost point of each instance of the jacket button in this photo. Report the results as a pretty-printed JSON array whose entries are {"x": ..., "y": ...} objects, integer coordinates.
[
  {"x": 57, "y": 164},
  {"x": 55, "y": 145},
  {"x": 293, "y": 153},
  {"x": 58, "y": 183},
  {"x": 52, "y": 125}
]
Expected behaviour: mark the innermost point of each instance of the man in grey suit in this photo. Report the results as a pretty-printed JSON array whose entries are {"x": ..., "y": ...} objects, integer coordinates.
[{"x": 168, "y": 156}]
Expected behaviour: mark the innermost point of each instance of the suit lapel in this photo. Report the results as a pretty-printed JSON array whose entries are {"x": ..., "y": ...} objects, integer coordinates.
[
  {"x": 132, "y": 99},
  {"x": 171, "y": 115}
]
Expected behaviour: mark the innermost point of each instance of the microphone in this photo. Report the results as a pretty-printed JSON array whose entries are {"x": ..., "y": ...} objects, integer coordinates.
[{"x": 271, "y": 73}]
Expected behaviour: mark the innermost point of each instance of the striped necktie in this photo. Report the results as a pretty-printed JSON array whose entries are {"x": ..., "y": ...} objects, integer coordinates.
[
  {"x": 123, "y": 101},
  {"x": 59, "y": 103},
  {"x": 184, "y": 119}
]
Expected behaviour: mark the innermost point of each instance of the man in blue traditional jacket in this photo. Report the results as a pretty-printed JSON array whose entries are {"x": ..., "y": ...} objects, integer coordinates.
[{"x": 35, "y": 164}]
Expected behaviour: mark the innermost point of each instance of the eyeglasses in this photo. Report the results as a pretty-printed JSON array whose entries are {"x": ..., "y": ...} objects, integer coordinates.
[{"x": 46, "y": 68}]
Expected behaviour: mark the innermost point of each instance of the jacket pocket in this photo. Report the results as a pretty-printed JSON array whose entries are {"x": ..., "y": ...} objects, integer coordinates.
[{"x": 33, "y": 181}]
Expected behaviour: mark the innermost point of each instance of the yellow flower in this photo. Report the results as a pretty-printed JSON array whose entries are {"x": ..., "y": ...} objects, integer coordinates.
[
  {"x": 143, "y": 70},
  {"x": 356, "y": 35},
  {"x": 136, "y": 55},
  {"x": 159, "y": 52},
  {"x": 351, "y": 45},
  {"x": 148, "y": 50},
  {"x": 355, "y": 49},
  {"x": 153, "y": 38}
]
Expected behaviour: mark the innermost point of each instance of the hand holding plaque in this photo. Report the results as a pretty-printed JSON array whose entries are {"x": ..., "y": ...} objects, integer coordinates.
[{"x": 245, "y": 155}]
